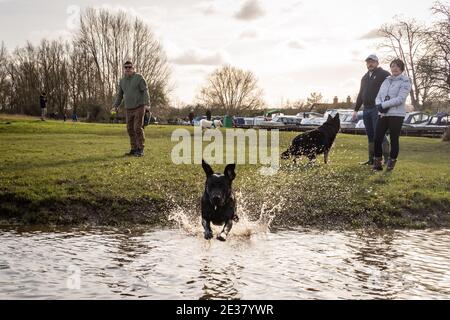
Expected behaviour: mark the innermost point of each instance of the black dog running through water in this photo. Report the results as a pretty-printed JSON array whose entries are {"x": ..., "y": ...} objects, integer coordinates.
[
  {"x": 314, "y": 142},
  {"x": 218, "y": 201}
]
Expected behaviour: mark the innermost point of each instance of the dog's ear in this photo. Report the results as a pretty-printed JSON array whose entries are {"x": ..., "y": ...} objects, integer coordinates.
[
  {"x": 329, "y": 118},
  {"x": 207, "y": 168},
  {"x": 229, "y": 171},
  {"x": 336, "y": 117}
]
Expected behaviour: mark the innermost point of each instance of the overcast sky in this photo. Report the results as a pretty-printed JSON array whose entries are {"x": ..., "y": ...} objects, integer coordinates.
[{"x": 294, "y": 47}]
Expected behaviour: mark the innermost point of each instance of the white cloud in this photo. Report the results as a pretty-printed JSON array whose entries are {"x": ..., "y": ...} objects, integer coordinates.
[
  {"x": 249, "y": 34},
  {"x": 295, "y": 44},
  {"x": 293, "y": 6},
  {"x": 200, "y": 57},
  {"x": 372, "y": 34},
  {"x": 250, "y": 10},
  {"x": 207, "y": 8},
  {"x": 210, "y": 10}
]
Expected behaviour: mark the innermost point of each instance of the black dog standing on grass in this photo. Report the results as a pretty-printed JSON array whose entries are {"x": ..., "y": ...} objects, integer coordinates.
[
  {"x": 218, "y": 201},
  {"x": 314, "y": 142}
]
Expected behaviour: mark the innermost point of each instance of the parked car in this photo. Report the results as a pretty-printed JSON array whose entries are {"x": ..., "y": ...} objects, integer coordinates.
[
  {"x": 288, "y": 120},
  {"x": 247, "y": 121},
  {"x": 238, "y": 121},
  {"x": 196, "y": 120},
  {"x": 347, "y": 121},
  {"x": 440, "y": 119},
  {"x": 259, "y": 120},
  {"x": 414, "y": 119},
  {"x": 360, "y": 124},
  {"x": 306, "y": 115},
  {"x": 271, "y": 124},
  {"x": 264, "y": 122},
  {"x": 320, "y": 121},
  {"x": 176, "y": 121}
]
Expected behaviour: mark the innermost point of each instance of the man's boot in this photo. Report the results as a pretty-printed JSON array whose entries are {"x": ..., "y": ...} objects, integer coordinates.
[
  {"x": 377, "y": 164},
  {"x": 386, "y": 151},
  {"x": 391, "y": 164},
  {"x": 139, "y": 153},
  {"x": 371, "y": 155},
  {"x": 131, "y": 153}
]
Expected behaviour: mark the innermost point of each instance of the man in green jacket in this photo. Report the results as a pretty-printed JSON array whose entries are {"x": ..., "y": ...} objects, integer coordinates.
[{"x": 133, "y": 90}]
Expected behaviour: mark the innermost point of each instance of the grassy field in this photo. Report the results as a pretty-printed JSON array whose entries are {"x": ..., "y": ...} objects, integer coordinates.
[{"x": 75, "y": 173}]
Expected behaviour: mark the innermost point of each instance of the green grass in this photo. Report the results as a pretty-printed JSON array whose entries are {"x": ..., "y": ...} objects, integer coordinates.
[{"x": 73, "y": 173}]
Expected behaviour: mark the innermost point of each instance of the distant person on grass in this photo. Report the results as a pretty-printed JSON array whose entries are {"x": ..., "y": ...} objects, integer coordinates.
[
  {"x": 191, "y": 117},
  {"x": 43, "y": 103},
  {"x": 370, "y": 85},
  {"x": 133, "y": 89}
]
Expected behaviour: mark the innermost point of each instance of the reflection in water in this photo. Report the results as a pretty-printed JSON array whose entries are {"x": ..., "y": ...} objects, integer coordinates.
[
  {"x": 372, "y": 264},
  {"x": 219, "y": 281},
  {"x": 175, "y": 264}
]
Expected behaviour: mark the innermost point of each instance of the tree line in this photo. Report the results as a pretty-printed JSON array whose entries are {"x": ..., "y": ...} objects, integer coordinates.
[
  {"x": 426, "y": 53},
  {"x": 81, "y": 74}
]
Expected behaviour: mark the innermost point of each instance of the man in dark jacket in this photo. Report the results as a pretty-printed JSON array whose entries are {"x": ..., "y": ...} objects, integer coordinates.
[{"x": 370, "y": 85}]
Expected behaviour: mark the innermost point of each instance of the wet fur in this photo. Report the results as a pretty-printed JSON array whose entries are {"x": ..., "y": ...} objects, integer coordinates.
[{"x": 218, "y": 201}]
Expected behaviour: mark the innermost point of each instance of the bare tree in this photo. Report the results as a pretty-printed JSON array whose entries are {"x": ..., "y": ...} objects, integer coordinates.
[
  {"x": 83, "y": 74},
  {"x": 407, "y": 40},
  {"x": 233, "y": 90},
  {"x": 439, "y": 42},
  {"x": 53, "y": 59},
  {"x": 5, "y": 83},
  {"x": 23, "y": 70},
  {"x": 313, "y": 99},
  {"x": 112, "y": 38}
]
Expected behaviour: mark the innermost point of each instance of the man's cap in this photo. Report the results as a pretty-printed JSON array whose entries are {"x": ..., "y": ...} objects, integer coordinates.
[{"x": 372, "y": 57}]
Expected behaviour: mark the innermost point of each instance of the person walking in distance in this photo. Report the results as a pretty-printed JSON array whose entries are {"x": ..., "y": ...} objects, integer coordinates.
[
  {"x": 370, "y": 85},
  {"x": 133, "y": 90},
  {"x": 43, "y": 104}
]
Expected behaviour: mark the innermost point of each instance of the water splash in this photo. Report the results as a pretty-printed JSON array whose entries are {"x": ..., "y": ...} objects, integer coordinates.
[
  {"x": 186, "y": 217},
  {"x": 252, "y": 219},
  {"x": 269, "y": 209}
]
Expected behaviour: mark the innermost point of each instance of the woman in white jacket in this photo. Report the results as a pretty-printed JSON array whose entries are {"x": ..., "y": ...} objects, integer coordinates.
[{"x": 391, "y": 105}]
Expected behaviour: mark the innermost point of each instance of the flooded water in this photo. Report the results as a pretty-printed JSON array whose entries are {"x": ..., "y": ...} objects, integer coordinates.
[{"x": 180, "y": 264}]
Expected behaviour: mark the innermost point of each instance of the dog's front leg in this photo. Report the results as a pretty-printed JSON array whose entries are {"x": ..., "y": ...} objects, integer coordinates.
[
  {"x": 226, "y": 229},
  {"x": 325, "y": 156},
  {"x": 207, "y": 227}
]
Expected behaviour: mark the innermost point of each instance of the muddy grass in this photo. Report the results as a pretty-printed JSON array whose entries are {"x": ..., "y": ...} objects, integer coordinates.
[{"x": 148, "y": 212}]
